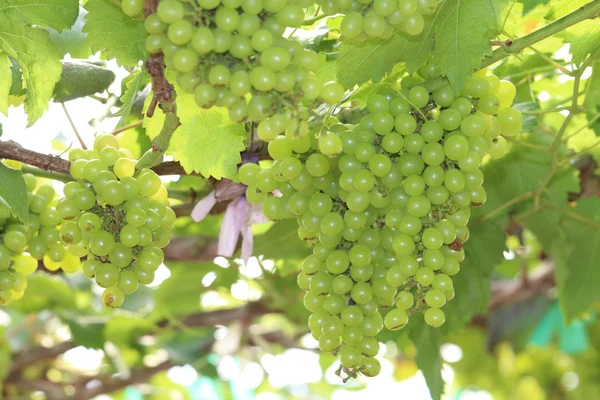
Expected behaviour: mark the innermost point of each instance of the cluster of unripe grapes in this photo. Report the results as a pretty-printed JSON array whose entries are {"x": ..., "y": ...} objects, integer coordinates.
[
  {"x": 231, "y": 53},
  {"x": 380, "y": 18},
  {"x": 116, "y": 216},
  {"x": 386, "y": 204},
  {"x": 22, "y": 246}
]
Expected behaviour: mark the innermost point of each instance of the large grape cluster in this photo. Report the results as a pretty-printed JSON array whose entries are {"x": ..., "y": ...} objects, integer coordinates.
[
  {"x": 386, "y": 204},
  {"x": 231, "y": 54},
  {"x": 380, "y": 18},
  {"x": 117, "y": 216},
  {"x": 22, "y": 246}
]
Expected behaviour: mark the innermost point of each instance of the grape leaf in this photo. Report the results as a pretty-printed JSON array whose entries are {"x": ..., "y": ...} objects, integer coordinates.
[
  {"x": 483, "y": 252},
  {"x": 418, "y": 48},
  {"x": 521, "y": 171},
  {"x": 133, "y": 83},
  {"x": 357, "y": 59},
  {"x": 207, "y": 141},
  {"x": 592, "y": 97},
  {"x": 80, "y": 79},
  {"x": 109, "y": 29},
  {"x": 57, "y": 14},
  {"x": 87, "y": 332},
  {"x": 13, "y": 192},
  {"x": 463, "y": 36},
  {"x": 281, "y": 241},
  {"x": 560, "y": 8},
  {"x": 5, "y": 82},
  {"x": 39, "y": 61},
  {"x": 583, "y": 39},
  {"x": 429, "y": 360},
  {"x": 574, "y": 242},
  {"x": 72, "y": 41},
  {"x": 530, "y": 5},
  {"x": 46, "y": 292}
]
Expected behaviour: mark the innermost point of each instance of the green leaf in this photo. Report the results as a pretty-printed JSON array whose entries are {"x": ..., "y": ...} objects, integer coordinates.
[
  {"x": 80, "y": 79},
  {"x": 188, "y": 347},
  {"x": 574, "y": 245},
  {"x": 483, "y": 252},
  {"x": 16, "y": 87},
  {"x": 592, "y": 97},
  {"x": 87, "y": 331},
  {"x": 327, "y": 70},
  {"x": 519, "y": 172},
  {"x": 46, "y": 292},
  {"x": 125, "y": 330},
  {"x": 560, "y": 8},
  {"x": 583, "y": 39},
  {"x": 356, "y": 59},
  {"x": 530, "y": 5},
  {"x": 109, "y": 29},
  {"x": 57, "y": 14},
  {"x": 13, "y": 192},
  {"x": 133, "y": 83},
  {"x": 463, "y": 36},
  {"x": 207, "y": 141},
  {"x": 72, "y": 41},
  {"x": 281, "y": 241},
  {"x": 429, "y": 360},
  {"x": 5, "y": 82},
  {"x": 39, "y": 61}
]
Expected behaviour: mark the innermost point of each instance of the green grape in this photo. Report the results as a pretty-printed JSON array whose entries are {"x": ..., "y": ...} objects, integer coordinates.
[
  {"x": 70, "y": 233},
  {"x": 435, "y": 298},
  {"x": 396, "y": 319},
  {"x": 132, "y": 7},
  {"x": 350, "y": 356},
  {"x": 84, "y": 199},
  {"x": 414, "y": 24},
  {"x": 15, "y": 241},
  {"x": 169, "y": 11},
  {"x": 101, "y": 243},
  {"x": 442, "y": 283},
  {"x": 435, "y": 317},
  {"x": 371, "y": 367},
  {"x": 511, "y": 121},
  {"x": 24, "y": 264},
  {"x": 352, "y": 25},
  {"x": 128, "y": 281},
  {"x": 332, "y": 92},
  {"x": 153, "y": 25},
  {"x": 89, "y": 222},
  {"x": 113, "y": 297},
  {"x": 361, "y": 293}
]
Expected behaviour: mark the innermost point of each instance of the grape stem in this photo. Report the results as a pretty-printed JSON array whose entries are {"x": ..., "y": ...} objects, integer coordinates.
[
  {"x": 81, "y": 142},
  {"x": 554, "y": 164},
  {"x": 164, "y": 97},
  {"x": 127, "y": 127}
]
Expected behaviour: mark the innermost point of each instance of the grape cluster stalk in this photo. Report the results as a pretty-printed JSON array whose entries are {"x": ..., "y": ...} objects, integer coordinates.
[
  {"x": 116, "y": 216},
  {"x": 385, "y": 203},
  {"x": 22, "y": 246}
]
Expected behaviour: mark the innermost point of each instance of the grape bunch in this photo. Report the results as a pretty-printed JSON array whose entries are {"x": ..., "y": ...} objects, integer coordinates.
[
  {"x": 231, "y": 54},
  {"x": 22, "y": 246},
  {"x": 116, "y": 216},
  {"x": 380, "y": 18},
  {"x": 386, "y": 203}
]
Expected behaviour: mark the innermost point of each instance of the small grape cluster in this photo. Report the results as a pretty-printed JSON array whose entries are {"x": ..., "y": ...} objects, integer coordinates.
[
  {"x": 231, "y": 54},
  {"x": 22, "y": 246},
  {"x": 380, "y": 18},
  {"x": 117, "y": 216},
  {"x": 386, "y": 203}
]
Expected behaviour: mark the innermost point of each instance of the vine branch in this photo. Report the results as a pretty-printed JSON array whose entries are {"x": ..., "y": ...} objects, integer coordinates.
[
  {"x": 164, "y": 97},
  {"x": 11, "y": 150}
]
